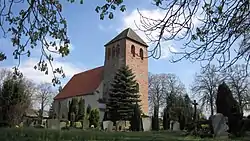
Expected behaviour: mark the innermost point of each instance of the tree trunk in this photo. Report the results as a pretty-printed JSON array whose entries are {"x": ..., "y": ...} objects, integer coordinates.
[
  {"x": 240, "y": 101},
  {"x": 211, "y": 104}
]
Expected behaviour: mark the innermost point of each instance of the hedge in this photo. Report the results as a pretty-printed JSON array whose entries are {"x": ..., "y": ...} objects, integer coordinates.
[{"x": 31, "y": 134}]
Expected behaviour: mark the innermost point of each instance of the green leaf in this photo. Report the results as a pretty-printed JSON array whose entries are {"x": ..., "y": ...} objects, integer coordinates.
[
  {"x": 158, "y": 2},
  {"x": 113, "y": 7},
  {"x": 220, "y": 8},
  {"x": 97, "y": 9},
  {"x": 81, "y": 1},
  {"x": 194, "y": 37},
  {"x": 123, "y": 8},
  {"x": 111, "y": 15},
  {"x": 102, "y": 16}
]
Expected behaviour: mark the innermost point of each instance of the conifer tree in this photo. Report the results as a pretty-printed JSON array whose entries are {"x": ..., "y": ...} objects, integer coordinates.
[
  {"x": 155, "y": 120},
  {"x": 81, "y": 111},
  {"x": 136, "y": 124},
  {"x": 123, "y": 95},
  {"x": 166, "y": 120},
  {"x": 73, "y": 110}
]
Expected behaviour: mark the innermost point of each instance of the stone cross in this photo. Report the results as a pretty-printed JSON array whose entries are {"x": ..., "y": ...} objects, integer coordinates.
[{"x": 195, "y": 109}]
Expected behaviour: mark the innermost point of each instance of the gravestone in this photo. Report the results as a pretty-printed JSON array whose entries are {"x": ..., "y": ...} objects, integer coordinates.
[
  {"x": 171, "y": 124},
  {"x": 54, "y": 124},
  {"x": 85, "y": 124},
  {"x": 63, "y": 124},
  {"x": 147, "y": 123},
  {"x": 220, "y": 127},
  {"x": 120, "y": 125},
  {"x": 108, "y": 125},
  {"x": 176, "y": 126},
  {"x": 228, "y": 106}
]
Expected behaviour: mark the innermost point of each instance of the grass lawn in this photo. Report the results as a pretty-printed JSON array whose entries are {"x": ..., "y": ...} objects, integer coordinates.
[{"x": 31, "y": 134}]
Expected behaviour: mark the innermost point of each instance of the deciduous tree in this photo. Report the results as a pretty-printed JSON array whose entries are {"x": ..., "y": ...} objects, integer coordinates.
[
  {"x": 44, "y": 96},
  {"x": 210, "y": 30},
  {"x": 205, "y": 87},
  {"x": 15, "y": 99},
  {"x": 238, "y": 81},
  {"x": 156, "y": 90}
]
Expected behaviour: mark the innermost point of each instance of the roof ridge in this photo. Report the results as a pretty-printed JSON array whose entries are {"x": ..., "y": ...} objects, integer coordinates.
[
  {"x": 89, "y": 70},
  {"x": 128, "y": 33}
]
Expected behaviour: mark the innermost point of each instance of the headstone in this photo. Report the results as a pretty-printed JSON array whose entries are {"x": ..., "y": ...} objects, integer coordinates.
[
  {"x": 176, "y": 126},
  {"x": 171, "y": 125},
  {"x": 120, "y": 125},
  {"x": 108, "y": 125},
  {"x": 147, "y": 123},
  {"x": 54, "y": 124},
  {"x": 85, "y": 124},
  {"x": 220, "y": 127},
  {"x": 63, "y": 124},
  {"x": 228, "y": 106}
]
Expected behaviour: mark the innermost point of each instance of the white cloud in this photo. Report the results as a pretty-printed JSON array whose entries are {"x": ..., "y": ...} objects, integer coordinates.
[
  {"x": 105, "y": 28},
  {"x": 166, "y": 49},
  {"x": 133, "y": 20},
  {"x": 27, "y": 68}
]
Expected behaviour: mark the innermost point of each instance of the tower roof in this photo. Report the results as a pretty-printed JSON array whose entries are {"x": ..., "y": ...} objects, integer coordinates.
[{"x": 128, "y": 34}]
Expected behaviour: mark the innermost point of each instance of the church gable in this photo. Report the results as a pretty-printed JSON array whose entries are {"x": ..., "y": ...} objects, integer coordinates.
[{"x": 82, "y": 84}]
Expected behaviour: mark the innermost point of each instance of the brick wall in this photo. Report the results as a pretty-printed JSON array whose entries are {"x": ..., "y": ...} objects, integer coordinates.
[{"x": 139, "y": 67}]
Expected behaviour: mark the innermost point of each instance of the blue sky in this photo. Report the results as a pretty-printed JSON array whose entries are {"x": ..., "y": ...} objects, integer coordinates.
[{"x": 88, "y": 35}]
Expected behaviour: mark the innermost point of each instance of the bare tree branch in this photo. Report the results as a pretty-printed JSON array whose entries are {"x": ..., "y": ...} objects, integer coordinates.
[
  {"x": 211, "y": 30},
  {"x": 205, "y": 87}
]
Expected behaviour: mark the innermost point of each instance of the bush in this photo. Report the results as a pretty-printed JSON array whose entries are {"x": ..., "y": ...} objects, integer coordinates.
[{"x": 94, "y": 117}]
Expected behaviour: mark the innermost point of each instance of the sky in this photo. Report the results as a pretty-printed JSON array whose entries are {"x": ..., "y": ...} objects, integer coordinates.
[{"x": 88, "y": 34}]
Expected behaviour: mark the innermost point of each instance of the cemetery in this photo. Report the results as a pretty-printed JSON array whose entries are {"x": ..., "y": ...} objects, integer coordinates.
[{"x": 226, "y": 124}]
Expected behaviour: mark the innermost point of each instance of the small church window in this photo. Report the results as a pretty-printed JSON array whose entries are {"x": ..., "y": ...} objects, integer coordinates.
[
  {"x": 109, "y": 53},
  {"x": 117, "y": 50},
  {"x": 133, "y": 50},
  {"x": 113, "y": 52},
  {"x": 141, "y": 53}
]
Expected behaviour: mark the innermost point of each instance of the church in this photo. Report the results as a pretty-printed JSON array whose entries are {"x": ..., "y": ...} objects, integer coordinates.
[{"x": 127, "y": 48}]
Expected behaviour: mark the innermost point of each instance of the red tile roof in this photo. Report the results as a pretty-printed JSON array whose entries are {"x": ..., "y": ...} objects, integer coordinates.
[{"x": 82, "y": 83}]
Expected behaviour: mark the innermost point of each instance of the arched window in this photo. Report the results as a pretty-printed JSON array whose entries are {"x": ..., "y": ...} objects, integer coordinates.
[
  {"x": 137, "y": 87},
  {"x": 109, "y": 53},
  {"x": 141, "y": 53},
  {"x": 117, "y": 50},
  {"x": 133, "y": 50},
  {"x": 113, "y": 52}
]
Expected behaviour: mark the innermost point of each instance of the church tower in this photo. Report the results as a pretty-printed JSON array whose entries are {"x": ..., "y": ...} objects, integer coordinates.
[{"x": 127, "y": 48}]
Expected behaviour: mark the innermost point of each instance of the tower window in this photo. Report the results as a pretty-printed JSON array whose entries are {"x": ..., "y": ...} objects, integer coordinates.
[
  {"x": 109, "y": 53},
  {"x": 113, "y": 52},
  {"x": 133, "y": 50},
  {"x": 141, "y": 53},
  {"x": 117, "y": 50}
]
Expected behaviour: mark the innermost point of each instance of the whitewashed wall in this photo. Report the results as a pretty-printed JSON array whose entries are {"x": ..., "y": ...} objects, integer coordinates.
[{"x": 90, "y": 99}]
